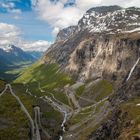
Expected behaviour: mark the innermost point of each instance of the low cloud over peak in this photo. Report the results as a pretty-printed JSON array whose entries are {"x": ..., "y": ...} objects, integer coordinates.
[{"x": 40, "y": 45}]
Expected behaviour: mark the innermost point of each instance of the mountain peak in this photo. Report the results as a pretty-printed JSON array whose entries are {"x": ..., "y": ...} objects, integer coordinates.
[
  {"x": 7, "y": 48},
  {"x": 105, "y": 9},
  {"x": 66, "y": 32},
  {"x": 110, "y": 19}
]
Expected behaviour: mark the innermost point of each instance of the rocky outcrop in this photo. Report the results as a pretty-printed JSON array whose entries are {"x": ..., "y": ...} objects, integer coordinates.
[
  {"x": 66, "y": 33},
  {"x": 112, "y": 128}
]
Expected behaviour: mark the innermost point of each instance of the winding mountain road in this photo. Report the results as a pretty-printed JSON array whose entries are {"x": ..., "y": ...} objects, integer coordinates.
[
  {"x": 38, "y": 137},
  {"x": 22, "y": 107},
  {"x": 38, "y": 120},
  {"x": 57, "y": 105},
  {"x": 41, "y": 90},
  {"x": 5, "y": 89},
  {"x": 70, "y": 94},
  {"x": 90, "y": 117},
  {"x": 34, "y": 125}
]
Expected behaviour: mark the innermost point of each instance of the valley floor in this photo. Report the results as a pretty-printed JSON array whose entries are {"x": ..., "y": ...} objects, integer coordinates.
[
  {"x": 48, "y": 108},
  {"x": 70, "y": 113}
]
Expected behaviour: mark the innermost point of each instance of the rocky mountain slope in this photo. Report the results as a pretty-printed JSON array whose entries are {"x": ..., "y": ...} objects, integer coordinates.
[
  {"x": 100, "y": 35},
  {"x": 104, "y": 45}
]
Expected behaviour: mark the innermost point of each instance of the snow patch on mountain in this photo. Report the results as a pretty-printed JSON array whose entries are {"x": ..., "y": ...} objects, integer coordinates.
[
  {"x": 110, "y": 21},
  {"x": 7, "y": 48},
  {"x": 134, "y": 30}
]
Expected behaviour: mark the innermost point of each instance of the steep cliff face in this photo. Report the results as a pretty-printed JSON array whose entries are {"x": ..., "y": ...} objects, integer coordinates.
[
  {"x": 103, "y": 44},
  {"x": 123, "y": 122},
  {"x": 66, "y": 33},
  {"x": 98, "y": 57}
]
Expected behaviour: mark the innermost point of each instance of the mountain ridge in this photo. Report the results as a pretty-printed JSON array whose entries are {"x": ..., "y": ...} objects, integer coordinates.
[
  {"x": 68, "y": 45},
  {"x": 101, "y": 13}
]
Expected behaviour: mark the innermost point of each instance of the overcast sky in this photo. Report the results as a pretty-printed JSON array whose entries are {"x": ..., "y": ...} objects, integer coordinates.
[{"x": 33, "y": 24}]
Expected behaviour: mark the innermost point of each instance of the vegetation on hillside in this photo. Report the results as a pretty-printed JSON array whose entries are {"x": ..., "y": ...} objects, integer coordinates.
[
  {"x": 2, "y": 85},
  {"x": 15, "y": 124},
  {"x": 132, "y": 109},
  {"x": 48, "y": 75}
]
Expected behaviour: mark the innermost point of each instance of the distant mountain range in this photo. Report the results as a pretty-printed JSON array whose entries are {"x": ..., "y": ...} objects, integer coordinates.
[
  {"x": 14, "y": 58},
  {"x": 11, "y": 56}
]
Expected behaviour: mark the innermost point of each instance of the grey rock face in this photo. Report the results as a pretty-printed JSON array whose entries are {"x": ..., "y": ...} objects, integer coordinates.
[
  {"x": 66, "y": 33},
  {"x": 105, "y": 42},
  {"x": 110, "y": 20}
]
